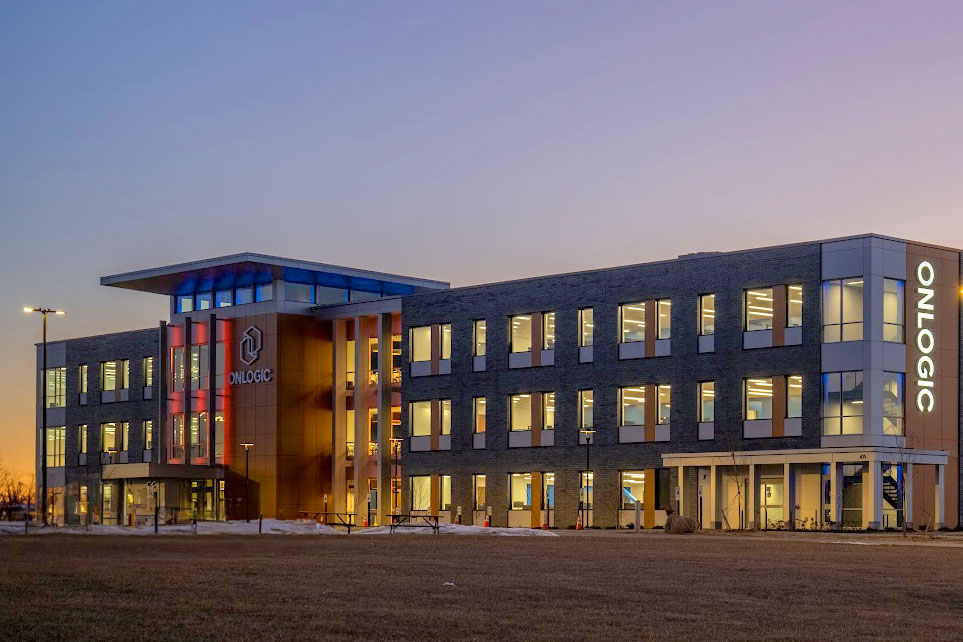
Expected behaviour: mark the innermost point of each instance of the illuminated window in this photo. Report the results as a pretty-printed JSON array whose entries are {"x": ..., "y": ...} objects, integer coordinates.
[
  {"x": 893, "y": 323},
  {"x": 586, "y": 490},
  {"x": 56, "y": 390},
  {"x": 893, "y": 403},
  {"x": 480, "y": 499},
  {"x": 56, "y": 445},
  {"x": 82, "y": 438},
  {"x": 632, "y": 322},
  {"x": 759, "y": 309},
  {"x": 794, "y": 306},
  {"x": 520, "y": 491},
  {"x": 109, "y": 437},
  {"x": 82, "y": 379},
  {"x": 707, "y": 314},
  {"x": 479, "y": 415},
  {"x": 203, "y": 300},
  {"x": 420, "y": 492},
  {"x": 632, "y": 406},
  {"x": 665, "y": 404},
  {"x": 445, "y": 491},
  {"x": 200, "y": 366},
  {"x": 148, "y": 436},
  {"x": 421, "y": 343},
  {"x": 707, "y": 401},
  {"x": 199, "y": 434},
  {"x": 586, "y": 405},
  {"x": 419, "y": 418},
  {"x": 794, "y": 390},
  {"x": 148, "y": 370},
  {"x": 843, "y": 403},
  {"x": 758, "y": 398},
  {"x": 633, "y": 488},
  {"x": 586, "y": 326},
  {"x": 520, "y": 408},
  {"x": 185, "y": 303},
  {"x": 177, "y": 369},
  {"x": 548, "y": 411},
  {"x": 446, "y": 416},
  {"x": 548, "y": 331},
  {"x": 520, "y": 333},
  {"x": 479, "y": 337},
  {"x": 446, "y": 341},
  {"x": 115, "y": 375},
  {"x": 663, "y": 320},
  {"x": 843, "y": 310},
  {"x": 223, "y": 298},
  {"x": 177, "y": 435}
]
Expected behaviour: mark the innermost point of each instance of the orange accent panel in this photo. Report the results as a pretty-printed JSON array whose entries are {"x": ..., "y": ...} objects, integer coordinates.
[
  {"x": 651, "y": 312},
  {"x": 435, "y": 423},
  {"x": 648, "y": 501},
  {"x": 779, "y": 406},
  {"x": 779, "y": 315},
  {"x": 536, "y": 340},
  {"x": 435, "y": 348},
  {"x": 536, "y": 419},
  {"x": 536, "y": 512}
]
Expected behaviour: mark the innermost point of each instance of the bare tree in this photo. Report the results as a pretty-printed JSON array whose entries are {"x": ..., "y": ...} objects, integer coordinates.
[{"x": 16, "y": 491}]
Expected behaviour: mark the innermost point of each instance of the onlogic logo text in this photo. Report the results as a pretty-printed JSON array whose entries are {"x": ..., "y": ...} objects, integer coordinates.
[
  {"x": 925, "y": 342},
  {"x": 250, "y": 350}
]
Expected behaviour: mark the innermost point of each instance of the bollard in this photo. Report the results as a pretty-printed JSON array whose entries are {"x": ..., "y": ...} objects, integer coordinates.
[
  {"x": 194, "y": 525},
  {"x": 638, "y": 516},
  {"x": 156, "y": 516},
  {"x": 260, "y": 520},
  {"x": 26, "y": 523}
]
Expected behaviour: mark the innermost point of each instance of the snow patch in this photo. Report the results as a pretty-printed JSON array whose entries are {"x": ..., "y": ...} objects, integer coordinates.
[
  {"x": 456, "y": 529},
  {"x": 268, "y": 527}
]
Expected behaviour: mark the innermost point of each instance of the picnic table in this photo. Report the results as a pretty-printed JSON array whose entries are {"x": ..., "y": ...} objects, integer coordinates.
[{"x": 414, "y": 521}]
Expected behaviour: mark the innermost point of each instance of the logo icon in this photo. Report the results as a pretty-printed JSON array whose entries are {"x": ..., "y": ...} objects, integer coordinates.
[{"x": 250, "y": 345}]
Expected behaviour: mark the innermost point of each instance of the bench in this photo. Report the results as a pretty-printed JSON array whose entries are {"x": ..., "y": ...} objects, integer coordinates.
[{"x": 414, "y": 521}]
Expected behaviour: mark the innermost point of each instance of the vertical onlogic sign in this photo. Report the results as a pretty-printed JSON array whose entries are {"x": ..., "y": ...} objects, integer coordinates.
[{"x": 925, "y": 340}]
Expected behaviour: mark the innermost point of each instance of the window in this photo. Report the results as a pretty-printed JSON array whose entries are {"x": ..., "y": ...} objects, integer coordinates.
[
  {"x": 843, "y": 310},
  {"x": 299, "y": 292},
  {"x": 82, "y": 438},
  {"x": 357, "y": 296},
  {"x": 446, "y": 416},
  {"x": 893, "y": 323},
  {"x": 263, "y": 292},
  {"x": 115, "y": 375},
  {"x": 843, "y": 403},
  {"x": 663, "y": 320},
  {"x": 330, "y": 296},
  {"x": 586, "y": 327},
  {"x": 446, "y": 341},
  {"x": 586, "y": 490},
  {"x": 520, "y": 329},
  {"x": 759, "y": 309},
  {"x": 109, "y": 437},
  {"x": 707, "y": 401},
  {"x": 185, "y": 302},
  {"x": 223, "y": 298},
  {"x": 125, "y": 435},
  {"x": 82, "y": 379},
  {"x": 56, "y": 445},
  {"x": 200, "y": 366},
  {"x": 56, "y": 390},
  {"x": 758, "y": 398},
  {"x": 548, "y": 331},
  {"x": 419, "y": 418},
  {"x": 520, "y": 491},
  {"x": 707, "y": 315},
  {"x": 548, "y": 411},
  {"x": 420, "y": 492},
  {"x": 177, "y": 435},
  {"x": 478, "y": 484},
  {"x": 148, "y": 435},
  {"x": 665, "y": 404},
  {"x": 794, "y": 305},
  {"x": 632, "y": 406},
  {"x": 478, "y": 423},
  {"x": 479, "y": 337},
  {"x": 794, "y": 390},
  {"x": 203, "y": 300},
  {"x": 893, "y": 403},
  {"x": 421, "y": 343},
  {"x": 199, "y": 434},
  {"x": 632, "y": 322},
  {"x": 520, "y": 412},
  {"x": 586, "y": 405},
  {"x": 148, "y": 366},
  {"x": 177, "y": 369},
  {"x": 633, "y": 488},
  {"x": 243, "y": 295},
  {"x": 445, "y": 483}
]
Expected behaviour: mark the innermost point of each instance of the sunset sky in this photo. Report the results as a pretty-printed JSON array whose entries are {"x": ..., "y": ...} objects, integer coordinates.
[{"x": 440, "y": 139}]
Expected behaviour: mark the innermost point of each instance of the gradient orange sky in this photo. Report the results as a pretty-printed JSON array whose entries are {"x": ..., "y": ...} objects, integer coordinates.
[{"x": 439, "y": 139}]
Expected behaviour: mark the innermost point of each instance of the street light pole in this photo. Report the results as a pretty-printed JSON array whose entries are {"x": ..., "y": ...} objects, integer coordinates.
[
  {"x": 43, "y": 409},
  {"x": 247, "y": 445},
  {"x": 588, "y": 432}
]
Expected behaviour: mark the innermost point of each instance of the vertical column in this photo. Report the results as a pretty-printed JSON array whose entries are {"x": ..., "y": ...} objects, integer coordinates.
[
  {"x": 651, "y": 411},
  {"x": 536, "y": 419},
  {"x": 683, "y": 497},
  {"x": 435, "y": 492},
  {"x": 779, "y": 311},
  {"x": 384, "y": 417},
  {"x": 752, "y": 499},
  {"x": 538, "y": 492},
  {"x": 537, "y": 339},
  {"x": 339, "y": 417},
  {"x": 908, "y": 495},
  {"x": 435, "y": 435},
  {"x": 188, "y": 392},
  {"x": 211, "y": 386},
  {"x": 939, "y": 503},
  {"x": 779, "y": 406},
  {"x": 714, "y": 497},
  {"x": 648, "y": 504},
  {"x": 360, "y": 419},
  {"x": 160, "y": 374},
  {"x": 788, "y": 495},
  {"x": 435, "y": 348},
  {"x": 874, "y": 518},
  {"x": 836, "y": 493}
]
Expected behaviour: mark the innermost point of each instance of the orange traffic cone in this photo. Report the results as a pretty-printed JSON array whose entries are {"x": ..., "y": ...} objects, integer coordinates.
[
  {"x": 578, "y": 523},
  {"x": 488, "y": 520},
  {"x": 545, "y": 524},
  {"x": 364, "y": 523}
]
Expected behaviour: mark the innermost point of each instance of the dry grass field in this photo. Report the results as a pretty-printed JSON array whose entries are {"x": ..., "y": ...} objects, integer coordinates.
[{"x": 628, "y": 587}]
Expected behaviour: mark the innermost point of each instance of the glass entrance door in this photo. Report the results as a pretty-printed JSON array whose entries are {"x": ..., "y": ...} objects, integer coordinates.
[{"x": 771, "y": 503}]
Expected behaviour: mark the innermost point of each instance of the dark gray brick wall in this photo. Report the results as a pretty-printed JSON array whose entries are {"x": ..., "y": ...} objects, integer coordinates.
[{"x": 727, "y": 275}]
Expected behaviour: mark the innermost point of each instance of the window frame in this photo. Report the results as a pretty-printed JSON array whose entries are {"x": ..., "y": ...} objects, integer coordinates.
[
  {"x": 511, "y": 333},
  {"x": 702, "y": 314},
  {"x": 900, "y": 309},
  {"x": 622, "y": 330},
  {"x": 475, "y": 325},
  {"x": 622, "y": 390},
  {"x": 841, "y": 312},
  {"x": 582, "y": 324},
  {"x": 701, "y": 395}
]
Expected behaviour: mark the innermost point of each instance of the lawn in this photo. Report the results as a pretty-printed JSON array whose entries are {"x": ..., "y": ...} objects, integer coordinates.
[{"x": 239, "y": 588}]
